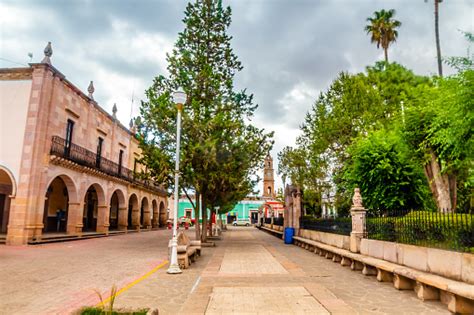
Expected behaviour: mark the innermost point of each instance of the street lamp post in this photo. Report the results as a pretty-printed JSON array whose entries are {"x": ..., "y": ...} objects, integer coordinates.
[{"x": 179, "y": 98}]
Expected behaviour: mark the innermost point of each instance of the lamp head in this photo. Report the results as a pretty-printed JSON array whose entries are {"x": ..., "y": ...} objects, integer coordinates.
[{"x": 179, "y": 97}]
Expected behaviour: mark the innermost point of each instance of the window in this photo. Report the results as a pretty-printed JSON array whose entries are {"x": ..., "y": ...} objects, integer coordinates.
[
  {"x": 69, "y": 129},
  {"x": 188, "y": 213},
  {"x": 99, "y": 151},
  {"x": 120, "y": 162}
]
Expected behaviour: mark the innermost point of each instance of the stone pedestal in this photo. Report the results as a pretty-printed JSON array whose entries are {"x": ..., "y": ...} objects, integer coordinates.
[{"x": 358, "y": 213}]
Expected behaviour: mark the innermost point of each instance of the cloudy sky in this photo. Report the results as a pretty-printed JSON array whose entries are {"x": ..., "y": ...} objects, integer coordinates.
[{"x": 291, "y": 49}]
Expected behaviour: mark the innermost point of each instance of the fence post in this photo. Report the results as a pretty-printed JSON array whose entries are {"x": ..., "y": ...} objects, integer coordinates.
[{"x": 358, "y": 221}]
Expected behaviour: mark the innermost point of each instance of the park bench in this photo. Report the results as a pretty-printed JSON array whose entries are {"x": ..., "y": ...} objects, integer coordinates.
[
  {"x": 457, "y": 295},
  {"x": 187, "y": 249},
  {"x": 274, "y": 232},
  {"x": 197, "y": 246}
]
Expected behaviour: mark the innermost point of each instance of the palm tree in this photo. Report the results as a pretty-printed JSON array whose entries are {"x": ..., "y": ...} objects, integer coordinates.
[
  {"x": 382, "y": 28},
  {"x": 438, "y": 46}
]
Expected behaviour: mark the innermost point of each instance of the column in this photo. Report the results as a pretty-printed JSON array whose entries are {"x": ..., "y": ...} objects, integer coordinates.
[
  {"x": 122, "y": 218},
  {"x": 297, "y": 210},
  {"x": 74, "y": 218},
  {"x": 103, "y": 218}
]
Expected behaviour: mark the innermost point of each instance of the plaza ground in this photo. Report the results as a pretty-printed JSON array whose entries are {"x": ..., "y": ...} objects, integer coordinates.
[{"x": 248, "y": 271}]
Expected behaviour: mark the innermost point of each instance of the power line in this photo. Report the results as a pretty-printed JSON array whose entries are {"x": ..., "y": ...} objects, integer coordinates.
[{"x": 18, "y": 63}]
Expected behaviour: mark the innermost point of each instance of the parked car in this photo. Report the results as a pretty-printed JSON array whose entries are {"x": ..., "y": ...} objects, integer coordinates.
[
  {"x": 183, "y": 220},
  {"x": 243, "y": 222}
]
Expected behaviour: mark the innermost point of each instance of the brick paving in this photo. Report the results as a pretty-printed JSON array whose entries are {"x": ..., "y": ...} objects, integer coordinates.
[{"x": 59, "y": 278}]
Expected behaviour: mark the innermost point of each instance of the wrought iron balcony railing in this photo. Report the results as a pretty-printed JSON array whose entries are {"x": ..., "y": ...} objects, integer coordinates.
[{"x": 70, "y": 151}]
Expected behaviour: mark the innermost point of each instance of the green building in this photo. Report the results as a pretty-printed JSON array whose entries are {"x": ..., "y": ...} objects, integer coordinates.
[{"x": 245, "y": 209}]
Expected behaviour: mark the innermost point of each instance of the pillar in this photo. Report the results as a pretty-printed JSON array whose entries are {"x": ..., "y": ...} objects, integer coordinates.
[
  {"x": 74, "y": 218},
  {"x": 122, "y": 218},
  {"x": 103, "y": 218},
  {"x": 297, "y": 210},
  {"x": 358, "y": 214}
]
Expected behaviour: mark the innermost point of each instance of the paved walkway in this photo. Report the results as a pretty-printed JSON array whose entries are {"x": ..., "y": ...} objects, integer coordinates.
[{"x": 248, "y": 272}]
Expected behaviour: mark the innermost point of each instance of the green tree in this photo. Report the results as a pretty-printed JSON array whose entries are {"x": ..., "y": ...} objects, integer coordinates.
[
  {"x": 389, "y": 178},
  {"x": 353, "y": 106},
  {"x": 382, "y": 29},
  {"x": 439, "y": 126},
  {"x": 215, "y": 115}
]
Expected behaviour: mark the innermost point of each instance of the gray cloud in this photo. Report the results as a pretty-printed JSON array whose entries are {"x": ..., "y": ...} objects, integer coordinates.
[{"x": 290, "y": 50}]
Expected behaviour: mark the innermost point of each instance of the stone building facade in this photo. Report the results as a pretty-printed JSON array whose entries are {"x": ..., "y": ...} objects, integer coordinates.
[{"x": 66, "y": 165}]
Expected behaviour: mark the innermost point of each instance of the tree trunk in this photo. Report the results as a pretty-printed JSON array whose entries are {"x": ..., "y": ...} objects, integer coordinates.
[
  {"x": 453, "y": 189},
  {"x": 442, "y": 185},
  {"x": 204, "y": 220},
  {"x": 431, "y": 182},
  {"x": 438, "y": 46},
  {"x": 197, "y": 211},
  {"x": 385, "y": 51}
]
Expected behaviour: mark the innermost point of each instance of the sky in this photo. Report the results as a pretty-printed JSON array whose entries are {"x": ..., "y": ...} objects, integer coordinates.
[{"x": 291, "y": 50}]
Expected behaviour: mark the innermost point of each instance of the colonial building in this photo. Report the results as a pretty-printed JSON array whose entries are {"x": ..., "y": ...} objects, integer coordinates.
[
  {"x": 66, "y": 165},
  {"x": 246, "y": 209},
  {"x": 250, "y": 207}
]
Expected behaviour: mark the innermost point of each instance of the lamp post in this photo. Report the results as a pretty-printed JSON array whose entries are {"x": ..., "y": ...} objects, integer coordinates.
[{"x": 179, "y": 98}]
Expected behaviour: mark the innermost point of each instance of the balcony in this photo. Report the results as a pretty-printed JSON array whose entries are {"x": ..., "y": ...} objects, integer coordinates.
[{"x": 84, "y": 157}]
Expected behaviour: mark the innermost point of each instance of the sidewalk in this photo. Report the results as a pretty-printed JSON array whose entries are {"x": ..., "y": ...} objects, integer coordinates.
[{"x": 253, "y": 272}]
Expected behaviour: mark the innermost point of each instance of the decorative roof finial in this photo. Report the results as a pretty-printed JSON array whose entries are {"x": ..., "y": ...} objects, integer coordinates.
[
  {"x": 91, "y": 90},
  {"x": 114, "y": 111},
  {"x": 48, "y": 52}
]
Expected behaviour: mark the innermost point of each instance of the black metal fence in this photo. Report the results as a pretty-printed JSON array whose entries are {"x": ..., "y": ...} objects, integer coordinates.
[
  {"x": 424, "y": 228},
  {"x": 278, "y": 221},
  {"x": 341, "y": 226},
  {"x": 60, "y": 147}
]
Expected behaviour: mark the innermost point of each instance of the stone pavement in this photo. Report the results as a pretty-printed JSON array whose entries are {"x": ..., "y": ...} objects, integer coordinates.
[
  {"x": 248, "y": 272},
  {"x": 58, "y": 278},
  {"x": 252, "y": 272}
]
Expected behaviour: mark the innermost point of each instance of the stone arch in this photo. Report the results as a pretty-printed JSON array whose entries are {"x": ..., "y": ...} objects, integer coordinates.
[
  {"x": 7, "y": 191},
  {"x": 163, "y": 214},
  {"x": 4, "y": 173},
  {"x": 145, "y": 213},
  {"x": 95, "y": 209},
  {"x": 132, "y": 214},
  {"x": 60, "y": 205},
  {"x": 70, "y": 185},
  {"x": 117, "y": 204},
  {"x": 155, "y": 214}
]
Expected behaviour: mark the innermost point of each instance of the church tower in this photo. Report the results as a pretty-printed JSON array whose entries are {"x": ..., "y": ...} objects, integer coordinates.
[{"x": 268, "y": 180}]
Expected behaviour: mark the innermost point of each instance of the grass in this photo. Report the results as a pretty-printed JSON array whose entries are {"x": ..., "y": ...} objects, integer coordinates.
[{"x": 103, "y": 309}]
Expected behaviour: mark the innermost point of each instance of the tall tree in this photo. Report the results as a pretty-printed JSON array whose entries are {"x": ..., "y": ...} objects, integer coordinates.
[
  {"x": 439, "y": 126},
  {"x": 204, "y": 65},
  {"x": 382, "y": 28},
  {"x": 438, "y": 45}
]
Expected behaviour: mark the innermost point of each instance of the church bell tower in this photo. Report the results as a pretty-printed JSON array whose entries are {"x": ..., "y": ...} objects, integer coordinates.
[{"x": 268, "y": 179}]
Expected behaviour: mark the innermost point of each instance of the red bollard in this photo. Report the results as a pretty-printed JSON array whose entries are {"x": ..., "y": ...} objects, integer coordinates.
[
  {"x": 186, "y": 225},
  {"x": 169, "y": 225}
]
